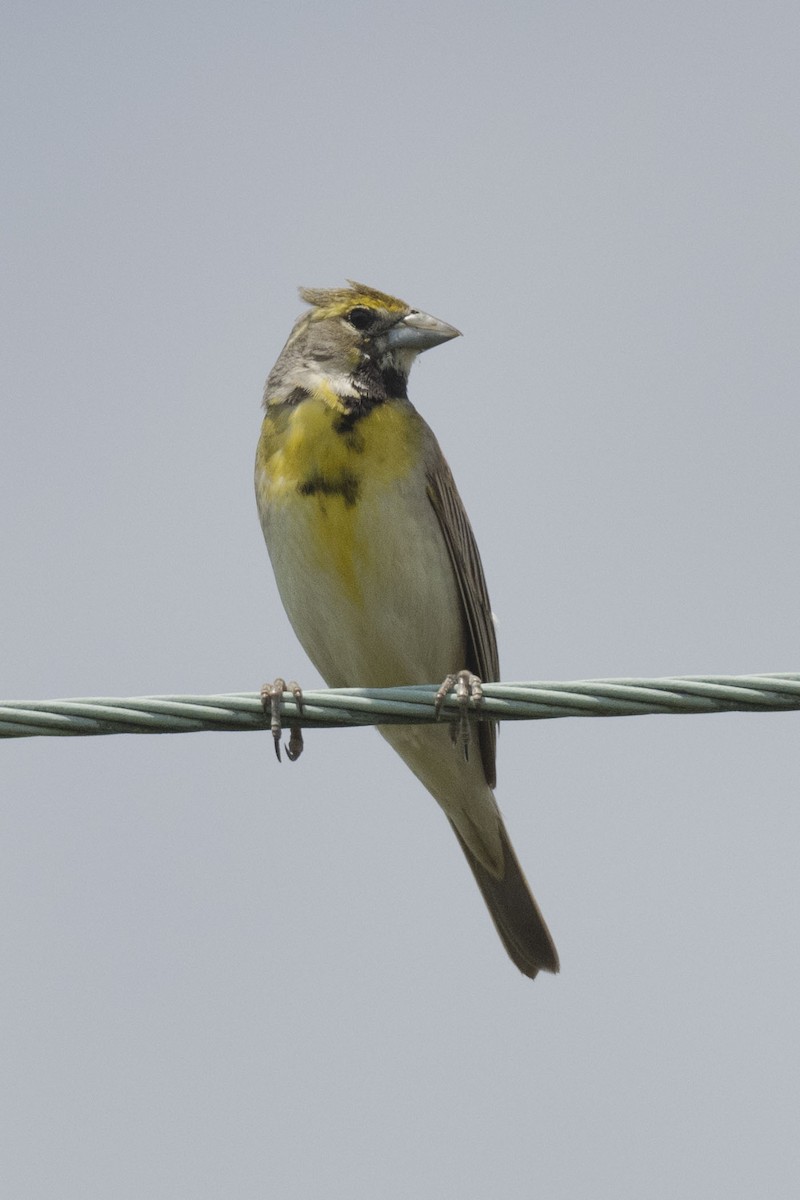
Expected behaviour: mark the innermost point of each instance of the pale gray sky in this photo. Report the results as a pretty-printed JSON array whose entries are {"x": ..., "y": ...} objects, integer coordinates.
[{"x": 222, "y": 977}]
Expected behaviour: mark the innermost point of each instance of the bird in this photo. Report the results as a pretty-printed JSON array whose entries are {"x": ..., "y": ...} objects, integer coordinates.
[{"x": 378, "y": 568}]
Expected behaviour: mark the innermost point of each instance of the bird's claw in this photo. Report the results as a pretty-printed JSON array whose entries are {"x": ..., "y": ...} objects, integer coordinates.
[
  {"x": 469, "y": 691},
  {"x": 271, "y": 696}
]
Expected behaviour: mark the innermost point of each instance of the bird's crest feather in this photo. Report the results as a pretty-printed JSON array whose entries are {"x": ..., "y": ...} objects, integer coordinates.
[{"x": 331, "y": 301}]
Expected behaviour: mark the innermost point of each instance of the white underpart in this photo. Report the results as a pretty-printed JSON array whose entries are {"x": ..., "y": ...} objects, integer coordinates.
[{"x": 404, "y": 628}]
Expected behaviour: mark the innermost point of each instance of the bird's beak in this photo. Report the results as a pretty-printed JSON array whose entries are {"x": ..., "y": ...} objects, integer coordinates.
[{"x": 418, "y": 331}]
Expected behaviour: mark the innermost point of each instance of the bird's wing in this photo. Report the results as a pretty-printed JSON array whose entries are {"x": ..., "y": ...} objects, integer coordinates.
[{"x": 482, "y": 656}]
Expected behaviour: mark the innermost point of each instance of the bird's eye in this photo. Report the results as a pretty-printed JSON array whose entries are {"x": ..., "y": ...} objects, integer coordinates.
[{"x": 362, "y": 318}]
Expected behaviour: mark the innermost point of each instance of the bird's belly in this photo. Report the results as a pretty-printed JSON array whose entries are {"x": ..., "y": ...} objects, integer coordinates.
[{"x": 368, "y": 586}]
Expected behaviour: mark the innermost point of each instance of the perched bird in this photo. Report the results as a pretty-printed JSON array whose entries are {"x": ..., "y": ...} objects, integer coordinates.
[{"x": 376, "y": 562}]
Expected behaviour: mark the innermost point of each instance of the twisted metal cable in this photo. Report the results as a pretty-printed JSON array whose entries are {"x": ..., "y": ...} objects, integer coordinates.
[{"x": 407, "y": 705}]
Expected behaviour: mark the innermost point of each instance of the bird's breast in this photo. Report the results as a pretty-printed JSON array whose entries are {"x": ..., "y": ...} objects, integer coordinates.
[{"x": 359, "y": 558}]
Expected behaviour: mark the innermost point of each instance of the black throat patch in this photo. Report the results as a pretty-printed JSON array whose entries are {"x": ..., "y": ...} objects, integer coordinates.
[{"x": 375, "y": 385}]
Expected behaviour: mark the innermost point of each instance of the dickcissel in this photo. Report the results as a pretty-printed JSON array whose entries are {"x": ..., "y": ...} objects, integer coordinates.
[{"x": 376, "y": 562}]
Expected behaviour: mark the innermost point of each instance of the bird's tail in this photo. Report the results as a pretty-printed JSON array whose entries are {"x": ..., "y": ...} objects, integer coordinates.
[{"x": 513, "y": 909}]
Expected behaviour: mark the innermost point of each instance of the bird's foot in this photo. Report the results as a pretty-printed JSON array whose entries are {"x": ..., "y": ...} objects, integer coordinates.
[
  {"x": 271, "y": 696},
  {"x": 469, "y": 691}
]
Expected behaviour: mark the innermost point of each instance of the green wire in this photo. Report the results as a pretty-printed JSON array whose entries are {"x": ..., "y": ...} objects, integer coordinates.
[{"x": 92, "y": 716}]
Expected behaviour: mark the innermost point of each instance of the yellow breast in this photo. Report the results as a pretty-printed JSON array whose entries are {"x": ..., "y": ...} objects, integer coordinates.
[{"x": 324, "y": 478}]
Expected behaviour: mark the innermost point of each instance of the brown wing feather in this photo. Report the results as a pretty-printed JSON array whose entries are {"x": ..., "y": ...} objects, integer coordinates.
[{"x": 482, "y": 656}]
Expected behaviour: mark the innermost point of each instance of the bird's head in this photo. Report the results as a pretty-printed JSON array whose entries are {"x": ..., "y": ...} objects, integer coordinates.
[{"x": 357, "y": 341}]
